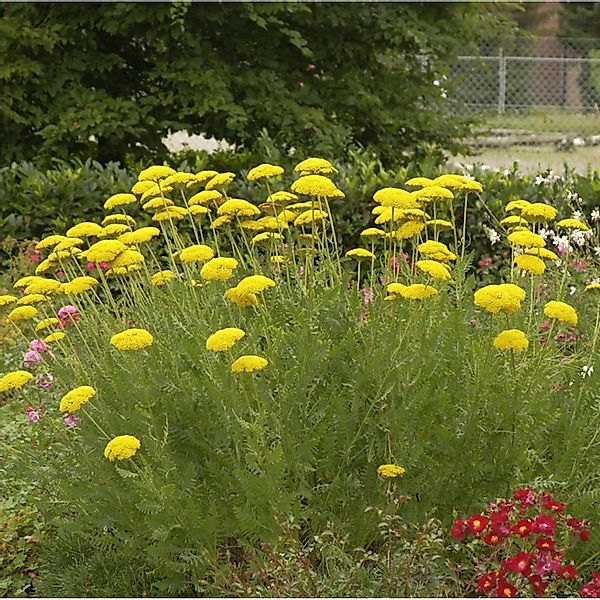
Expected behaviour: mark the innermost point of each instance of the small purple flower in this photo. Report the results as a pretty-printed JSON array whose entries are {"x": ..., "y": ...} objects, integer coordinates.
[
  {"x": 44, "y": 380},
  {"x": 30, "y": 359},
  {"x": 32, "y": 415},
  {"x": 70, "y": 420},
  {"x": 38, "y": 345}
]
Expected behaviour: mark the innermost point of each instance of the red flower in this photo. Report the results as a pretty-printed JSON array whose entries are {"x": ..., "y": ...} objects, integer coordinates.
[
  {"x": 544, "y": 524},
  {"x": 492, "y": 539},
  {"x": 486, "y": 582},
  {"x": 523, "y": 527},
  {"x": 567, "y": 572},
  {"x": 546, "y": 565},
  {"x": 520, "y": 563},
  {"x": 545, "y": 544},
  {"x": 538, "y": 584},
  {"x": 458, "y": 530},
  {"x": 584, "y": 534},
  {"x": 550, "y": 503},
  {"x": 477, "y": 523},
  {"x": 526, "y": 496},
  {"x": 505, "y": 590}
]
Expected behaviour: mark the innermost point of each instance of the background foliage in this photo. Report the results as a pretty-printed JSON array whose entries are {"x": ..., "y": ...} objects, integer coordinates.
[{"x": 104, "y": 80}]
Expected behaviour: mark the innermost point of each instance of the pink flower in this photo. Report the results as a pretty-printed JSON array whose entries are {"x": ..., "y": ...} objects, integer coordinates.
[
  {"x": 32, "y": 415},
  {"x": 580, "y": 265},
  {"x": 38, "y": 345},
  {"x": 91, "y": 266},
  {"x": 485, "y": 262},
  {"x": 70, "y": 420},
  {"x": 67, "y": 314},
  {"x": 35, "y": 256},
  {"x": 368, "y": 295},
  {"x": 545, "y": 325},
  {"x": 44, "y": 380},
  {"x": 30, "y": 359}
]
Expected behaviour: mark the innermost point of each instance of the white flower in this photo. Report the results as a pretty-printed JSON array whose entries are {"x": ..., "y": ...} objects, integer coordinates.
[
  {"x": 562, "y": 244},
  {"x": 492, "y": 234},
  {"x": 572, "y": 290},
  {"x": 595, "y": 215},
  {"x": 578, "y": 237},
  {"x": 587, "y": 370},
  {"x": 577, "y": 214},
  {"x": 547, "y": 233}
]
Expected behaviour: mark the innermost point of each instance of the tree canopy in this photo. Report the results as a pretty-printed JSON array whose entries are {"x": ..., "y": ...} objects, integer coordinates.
[{"x": 103, "y": 80}]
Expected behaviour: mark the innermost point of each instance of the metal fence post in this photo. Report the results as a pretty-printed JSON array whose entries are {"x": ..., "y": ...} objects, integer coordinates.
[{"x": 501, "y": 82}]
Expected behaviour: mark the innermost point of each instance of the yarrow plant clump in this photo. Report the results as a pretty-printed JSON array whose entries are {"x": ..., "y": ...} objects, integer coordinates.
[{"x": 518, "y": 543}]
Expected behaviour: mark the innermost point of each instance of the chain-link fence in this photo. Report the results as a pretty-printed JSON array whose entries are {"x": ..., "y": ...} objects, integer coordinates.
[{"x": 524, "y": 75}]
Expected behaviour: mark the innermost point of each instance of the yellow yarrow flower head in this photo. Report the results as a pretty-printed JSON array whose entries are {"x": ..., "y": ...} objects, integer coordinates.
[
  {"x": 132, "y": 339},
  {"x": 395, "y": 288},
  {"x": 46, "y": 323},
  {"x": 180, "y": 179},
  {"x": 25, "y": 281},
  {"x": 220, "y": 181},
  {"x": 122, "y": 447},
  {"x": 241, "y": 299},
  {"x": 14, "y": 380},
  {"x": 419, "y": 182},
  {"x": 505, "y": 298},
  {"x": 79, "y": 285},
  {"x": 513, "y": 221},
  {"x": 196, "y": 253},
  {"x": 439, "y": 224},
  {"x": 273, "y": 223},
  {"x": 204, "y": 197},
  {"x": 526, "y": 239},
  {"x": 408, "y": 230},
  {"x": 224, "y": 339},
  {"x": 530, "y": 264},
  {"x": 22, "y": 313},
  {"x": 32, "y": 299},
  {"x": 539, "y": 212},
  {"x": 435, "y": 269},
  {"x": 594, "y": 285},
  {"x": 113, "y": 229},
  {"x": 418, "y": 291},
  {"x": 85, "y": 229},
  {"x": 205, "y": 176},
  {"x": 50, "y": 241},
  {"x": 237, "y": 207},
  {"x": 572, "y": 224},
  {"x": 372, "y": 232},
  {"x": 248, "y": 364},
  {"x": 315, "y": 166},
  {"x": 220, "y": 268},
  {"x": 198, "y": 211},
  {"x": 390, "y": 471},
  {"x": 55, "y": 337},
  {"x": 452, "y": 182},
  {"x": 72, "y": 401},
  {"x": 162, "y": 277},
  {"x": 266, "y": 237},
  {"x": 316, "y": 186},
  {"x": 7, "y": 299},
  {"x": 126, "y": 259},
  {"x": 561, "y": 311},
  {"x": 433, "y": 193},
  {"x": 264, "y": 171},
  {"x": 170, "y": 213},
  {"x": 516, "y": 206},
  {"x": 542, "y": 253},
  {"x": 395, "y": 198},
  {"x": 68, "y": 244},
  {"x": 220, "y": 221},
  {"x": 139, "y": 236},
  {"x": 511, "y": 339},
  {"x": 139, "y": 187},
  {"x": 255, "y": 284},
  {"x": 156, "y": 173},
  {"x": 281, "y": 197},
  {"x": 360, "y": 254},
  {"x": 437, "y": 251},
  {"x": 105, "y": 251},
  {"x": 310, "y": 216},
  {"x": 119, "y": 200},
  {"x": 117, "y": 218}
]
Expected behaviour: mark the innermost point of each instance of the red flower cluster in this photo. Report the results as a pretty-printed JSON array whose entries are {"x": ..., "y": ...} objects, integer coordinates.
[
  {"x": 591, "y": 589},
  {"x": 530, "y": 521}
]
